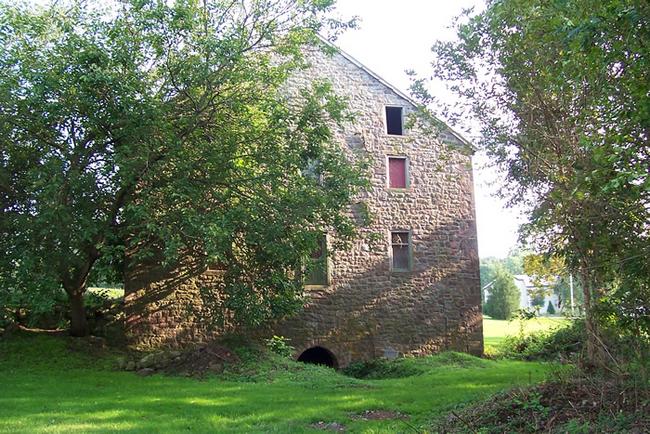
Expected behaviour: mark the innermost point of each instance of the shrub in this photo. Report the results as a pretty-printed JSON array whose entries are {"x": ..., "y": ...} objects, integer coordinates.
[
  {"x": 409, "y": 366},
  {"x": 538, "y": 300},
  {"x": 52, "y": 312},
  {"x": 32, "y": 310},
  {"x": 575, "y": 402},
  {"x": 280, "y": 346},
  {"x": 381, "y": 368},
  {"x": 550, "y": 309},
  {"x": 564, "y": 342}
]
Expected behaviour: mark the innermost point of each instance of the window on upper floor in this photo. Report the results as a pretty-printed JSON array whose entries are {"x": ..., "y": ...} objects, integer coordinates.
[
  {"x": 398, "y": 172},
  {"x": 394, "y": 121},
  {"x": 400, "y": 242}
]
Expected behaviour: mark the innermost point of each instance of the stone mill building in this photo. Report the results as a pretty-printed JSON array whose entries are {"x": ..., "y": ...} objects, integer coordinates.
[{"x": 413, "y": 289}]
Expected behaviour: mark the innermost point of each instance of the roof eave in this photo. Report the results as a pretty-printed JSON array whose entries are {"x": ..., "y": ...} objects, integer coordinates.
[{"x": 408, "y": 98}]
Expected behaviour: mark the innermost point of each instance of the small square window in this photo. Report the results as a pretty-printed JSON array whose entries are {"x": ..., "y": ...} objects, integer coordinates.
[
  {"x": 401, "y": 250},
  {"x": 394, "y": 121},
  {"x": 397, "y": 172}
]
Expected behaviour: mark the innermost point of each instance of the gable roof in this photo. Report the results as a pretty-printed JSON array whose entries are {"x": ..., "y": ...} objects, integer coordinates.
[{"x": 394, "y": 89}]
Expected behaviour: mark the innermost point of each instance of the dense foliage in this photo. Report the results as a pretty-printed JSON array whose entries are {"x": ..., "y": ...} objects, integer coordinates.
[
  {"x": 551, "y": 276},
  {"x": 564, "y": 342},
  {"x": 561, "y": 93},
  {"x": 160, "y": 128},
  {"x": 570, "y": 402}
]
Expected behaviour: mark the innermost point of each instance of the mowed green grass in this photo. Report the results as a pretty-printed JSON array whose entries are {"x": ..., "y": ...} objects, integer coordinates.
[
  {"x": 495, "y": 331},
  {"x": 47, "y": 389}
]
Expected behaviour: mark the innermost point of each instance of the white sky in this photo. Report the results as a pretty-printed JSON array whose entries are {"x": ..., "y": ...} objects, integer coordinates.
[{"x": 396, "y": 36}]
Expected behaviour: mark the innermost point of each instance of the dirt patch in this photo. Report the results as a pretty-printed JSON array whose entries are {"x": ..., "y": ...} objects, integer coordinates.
[
  {"x": 92, "y": 345},
  {"x": 328, "y": 426},
  {"x": 378, "y": 415},
  {"x": 205, "y": 359},
  {"x": 198, "y": 361}
]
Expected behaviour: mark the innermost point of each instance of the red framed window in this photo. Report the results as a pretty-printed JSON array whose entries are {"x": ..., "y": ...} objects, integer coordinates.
[{"x": 397, "y": 172}]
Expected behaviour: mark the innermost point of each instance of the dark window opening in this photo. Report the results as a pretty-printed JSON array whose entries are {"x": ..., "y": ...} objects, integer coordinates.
[
  {"x": 394, "y": 121},
  {"x": 317, "y": 269},
  {"x": 397, "y": 172},
  {"x": 400, "y": 243},
  {"x": 318, "y": 356}
]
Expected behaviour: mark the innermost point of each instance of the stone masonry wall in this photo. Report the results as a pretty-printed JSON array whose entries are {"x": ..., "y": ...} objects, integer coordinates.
[{"x": 368, "y": 310}]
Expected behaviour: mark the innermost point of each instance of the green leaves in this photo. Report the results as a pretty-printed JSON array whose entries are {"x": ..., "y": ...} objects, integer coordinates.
[
  {"x": 503, "y": 298},
  {"x": 164, "y": 126},
  {"x": 560, "y": 91}
]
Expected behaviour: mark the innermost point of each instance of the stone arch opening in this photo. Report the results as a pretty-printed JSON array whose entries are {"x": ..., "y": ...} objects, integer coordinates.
[{"x": 319, "y": 356}]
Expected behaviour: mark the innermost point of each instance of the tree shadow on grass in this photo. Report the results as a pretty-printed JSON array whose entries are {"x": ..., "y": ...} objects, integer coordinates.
[{"x": 85, "y": 400}]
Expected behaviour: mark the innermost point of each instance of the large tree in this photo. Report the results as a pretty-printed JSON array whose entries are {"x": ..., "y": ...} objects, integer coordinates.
[
  {"x": 560, "y": 89},
  {"x": 162, "y": 126}
]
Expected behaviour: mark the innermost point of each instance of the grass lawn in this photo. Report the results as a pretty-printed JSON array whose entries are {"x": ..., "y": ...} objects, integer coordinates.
[
  {"x": 47, "y": 388},
  {"x": 495, "y": 331}
]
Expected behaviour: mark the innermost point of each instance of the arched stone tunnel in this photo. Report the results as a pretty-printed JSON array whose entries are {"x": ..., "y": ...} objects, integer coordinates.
[{"x": 319, "y": 356}]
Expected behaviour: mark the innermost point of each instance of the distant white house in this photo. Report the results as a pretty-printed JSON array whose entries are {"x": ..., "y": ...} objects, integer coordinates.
[{"x": 525, "y": 285}]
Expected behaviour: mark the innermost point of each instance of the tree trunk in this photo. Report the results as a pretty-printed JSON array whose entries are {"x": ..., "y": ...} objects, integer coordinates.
[
  {"x": 596, "y": 352},
  {"x": 78, "y": 321},
  {"x": 75, "y": 285}
]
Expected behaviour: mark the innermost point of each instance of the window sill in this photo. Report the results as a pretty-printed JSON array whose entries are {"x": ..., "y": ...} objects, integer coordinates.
[
  {"x": 315, "y": 287},
  {"x": 399, "y": 190}
]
